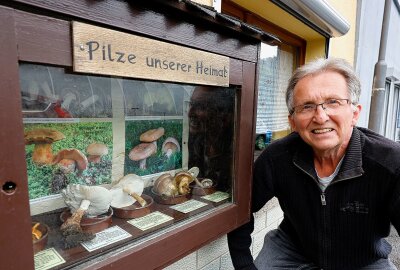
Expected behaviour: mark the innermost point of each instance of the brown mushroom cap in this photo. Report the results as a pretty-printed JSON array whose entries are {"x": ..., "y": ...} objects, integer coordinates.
[
  {"x": 97, "y": 149},
  {"x": 152, "y": 135},
  {"x": 165, "y": 185},
  {"x": 74, "y": 154},
  {"x": 42, "y": 138},
  {"x": 43, "y": 135},
  {"x": 142, "y": 151}
]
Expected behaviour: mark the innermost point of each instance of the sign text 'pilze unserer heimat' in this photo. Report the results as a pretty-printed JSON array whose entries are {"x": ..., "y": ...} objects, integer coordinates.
[{"x": 102, "y": 51}]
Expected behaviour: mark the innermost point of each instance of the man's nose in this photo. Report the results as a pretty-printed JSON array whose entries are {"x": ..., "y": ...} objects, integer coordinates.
[{"x": 320, "y": 114}]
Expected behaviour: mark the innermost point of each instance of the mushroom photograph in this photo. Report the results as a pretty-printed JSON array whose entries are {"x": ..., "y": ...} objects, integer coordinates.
[
  {"x": 62, "y": 153},
  {"x": 152, "y": 146}
]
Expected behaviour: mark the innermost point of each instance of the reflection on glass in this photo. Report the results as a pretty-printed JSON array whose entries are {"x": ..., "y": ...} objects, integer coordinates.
[
  {"x": 276, "y": 66},
  {"x": 50, "y": 92},
  {"x": 211, "y": 127}
]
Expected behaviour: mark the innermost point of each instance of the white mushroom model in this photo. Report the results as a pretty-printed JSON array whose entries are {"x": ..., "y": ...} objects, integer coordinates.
[
  {"x": 89, "y": 200},
  {"x": 170, "y": 146},
  {"x": 127, "y": 191},
  {"x": 194, "y": 171}
]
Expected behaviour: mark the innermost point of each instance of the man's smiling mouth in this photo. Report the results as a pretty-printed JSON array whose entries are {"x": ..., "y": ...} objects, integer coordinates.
[{"x": 320, "y": 131}]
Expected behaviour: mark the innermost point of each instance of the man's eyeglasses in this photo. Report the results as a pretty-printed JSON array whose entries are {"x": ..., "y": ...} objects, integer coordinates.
[{"x": 331, "y": 107}]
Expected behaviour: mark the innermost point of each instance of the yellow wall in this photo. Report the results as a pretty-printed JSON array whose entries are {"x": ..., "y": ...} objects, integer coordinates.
[
  {"x": 344, "y": 46},
  {"x": 271, "y": 12},
  {"x": 315, "y": 49},
  {"x": 204, "y": 2},
  {"x": 338, "y": 47}
]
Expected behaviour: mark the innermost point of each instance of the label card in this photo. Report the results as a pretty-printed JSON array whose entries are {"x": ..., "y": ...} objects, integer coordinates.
[
  {"x": 47, "y": 259},
  {"x": 149, "y": 221},
  {"x": 188, "y": 206},
  {"x": 216, "y": 196},
  {"x": 105, "y": 238}
]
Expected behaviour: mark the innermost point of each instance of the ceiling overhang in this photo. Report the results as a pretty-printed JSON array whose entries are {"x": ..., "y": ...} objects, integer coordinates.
[{"x": 317, "y": 14}]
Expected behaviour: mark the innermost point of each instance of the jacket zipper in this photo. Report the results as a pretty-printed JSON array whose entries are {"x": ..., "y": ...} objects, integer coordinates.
[{"x": 323, "y": 201}]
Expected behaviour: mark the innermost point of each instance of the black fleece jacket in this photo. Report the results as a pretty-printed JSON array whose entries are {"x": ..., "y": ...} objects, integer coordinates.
[{"x": 341, "y": 228}]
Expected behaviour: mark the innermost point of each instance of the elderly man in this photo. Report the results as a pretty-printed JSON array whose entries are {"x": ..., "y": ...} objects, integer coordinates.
[{"x": 337, "y": 184}]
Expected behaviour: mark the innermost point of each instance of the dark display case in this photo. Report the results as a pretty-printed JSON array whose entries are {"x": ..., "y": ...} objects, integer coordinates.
[{"x": 102, "y": 167}]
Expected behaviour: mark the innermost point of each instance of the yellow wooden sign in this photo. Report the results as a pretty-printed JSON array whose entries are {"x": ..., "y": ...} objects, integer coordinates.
[{"x": 103, "y": 51}]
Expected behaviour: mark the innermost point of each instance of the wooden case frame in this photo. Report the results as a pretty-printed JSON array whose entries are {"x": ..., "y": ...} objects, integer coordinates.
[{"x": 40, "y": 32}]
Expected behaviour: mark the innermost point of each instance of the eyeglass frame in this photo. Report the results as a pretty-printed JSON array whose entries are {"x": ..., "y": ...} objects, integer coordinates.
[{"x": 293, "y": 110}]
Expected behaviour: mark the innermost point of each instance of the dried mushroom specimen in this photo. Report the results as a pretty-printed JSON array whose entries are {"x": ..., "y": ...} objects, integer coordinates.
[
  {"x": 182, "y": 181},
  {"x": 165, "y": 186},
  {"x": 36, "y": 233},
  {"x": 42, "y": 138},
  {"x": 170, "y": 186}
]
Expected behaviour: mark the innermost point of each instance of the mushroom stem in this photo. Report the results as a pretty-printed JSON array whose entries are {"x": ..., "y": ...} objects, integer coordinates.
[
  {"x": 42, "y": 154},
  {"x": 142, "y": 164},
  {"x": 94, "y": 158},
  {"x": 198, "y": 182},
  {"x": 168, "y": 153},
  {"x": 136, "y": 196},
  {"x": 72, "y": 224},
  {"x": 183, "y": 186}
]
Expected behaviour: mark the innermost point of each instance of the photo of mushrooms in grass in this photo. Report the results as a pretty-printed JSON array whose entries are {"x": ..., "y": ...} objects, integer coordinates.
[
  {"x": 153, "y": 146},
  {"x": 58, "y": 154}
]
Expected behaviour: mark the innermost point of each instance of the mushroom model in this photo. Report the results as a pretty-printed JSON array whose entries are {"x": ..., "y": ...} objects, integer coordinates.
[
  {"x": 95, "y": 151},
  {"x": 170, "y": 186},
  {"x": 170, "y": 146},
  {"x": 141, "y": 152},
  {"x": 182, "y": 180},
  {"x": 89, "y": 200},
  {"x": 42, "y": 138},
  {"x": 67, "y": 156},
  {"x": 127, "y": 191},
  {"x": 165, "y": 186}
]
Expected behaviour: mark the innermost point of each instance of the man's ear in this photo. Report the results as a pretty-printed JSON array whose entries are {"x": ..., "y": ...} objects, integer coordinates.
[
  {"x": 356, "y": 113},
  {"x": 291, "y": 122}
]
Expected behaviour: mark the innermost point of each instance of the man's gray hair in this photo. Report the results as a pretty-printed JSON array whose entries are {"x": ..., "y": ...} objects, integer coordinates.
[{"x": 320, "y": 65}]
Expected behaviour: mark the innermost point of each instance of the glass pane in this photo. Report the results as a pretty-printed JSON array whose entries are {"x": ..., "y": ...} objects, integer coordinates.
[
  {"x": 134, "y": 157},
  {"x": 275, "y": 68}
]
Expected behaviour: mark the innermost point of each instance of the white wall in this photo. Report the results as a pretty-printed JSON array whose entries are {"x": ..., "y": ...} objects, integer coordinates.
[{"x": 370, "y": 14}]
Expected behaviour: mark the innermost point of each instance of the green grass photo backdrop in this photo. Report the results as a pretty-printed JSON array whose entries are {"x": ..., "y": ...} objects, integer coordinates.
[
  {"x": 45, "y": 180},
  {"x": 157, "y": 162}
]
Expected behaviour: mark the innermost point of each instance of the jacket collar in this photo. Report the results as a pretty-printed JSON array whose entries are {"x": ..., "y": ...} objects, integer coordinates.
[{"x": 352, "y": 163}]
